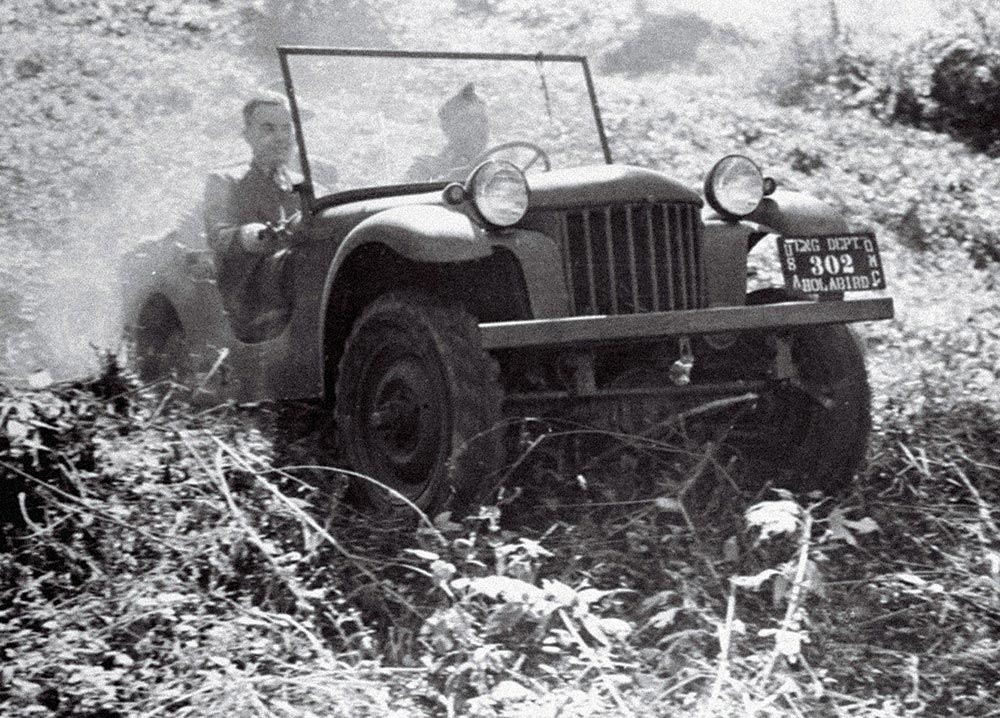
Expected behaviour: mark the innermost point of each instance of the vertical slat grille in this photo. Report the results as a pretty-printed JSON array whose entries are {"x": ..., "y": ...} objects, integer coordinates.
[{"x": 628, "y": 259}]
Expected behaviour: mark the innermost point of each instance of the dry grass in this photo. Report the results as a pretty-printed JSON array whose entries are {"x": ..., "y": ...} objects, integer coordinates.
[{"x": 191, "y": 549}]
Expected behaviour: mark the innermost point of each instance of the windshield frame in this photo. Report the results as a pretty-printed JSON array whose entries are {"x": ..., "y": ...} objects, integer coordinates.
[{"x": 307, "y": 189}]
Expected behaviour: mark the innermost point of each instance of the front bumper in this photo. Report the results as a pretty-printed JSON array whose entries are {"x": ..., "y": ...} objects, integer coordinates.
[{"x": 592, "y": 330}]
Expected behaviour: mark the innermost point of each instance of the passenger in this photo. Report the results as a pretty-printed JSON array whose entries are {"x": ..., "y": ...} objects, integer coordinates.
[
  {"x": 250, "y": 215},
  {"x": 466, "y": 128}
]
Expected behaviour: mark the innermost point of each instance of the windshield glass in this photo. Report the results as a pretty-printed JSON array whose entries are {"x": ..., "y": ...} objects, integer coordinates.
[{"x": 375, "y": 120}]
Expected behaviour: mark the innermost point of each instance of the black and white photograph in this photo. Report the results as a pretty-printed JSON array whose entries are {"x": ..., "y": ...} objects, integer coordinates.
[{"x": 499, "y": 359}]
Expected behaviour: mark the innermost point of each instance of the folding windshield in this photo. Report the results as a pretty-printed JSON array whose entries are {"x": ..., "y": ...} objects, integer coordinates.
[{"x": 376, "y": 118}]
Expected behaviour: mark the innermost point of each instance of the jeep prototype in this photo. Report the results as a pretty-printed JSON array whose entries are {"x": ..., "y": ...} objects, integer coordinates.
[{"x": 430, "y": 315}]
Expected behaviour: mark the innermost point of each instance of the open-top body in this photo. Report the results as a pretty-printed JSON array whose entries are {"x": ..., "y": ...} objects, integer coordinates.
[{"x": 618, "y": 281}]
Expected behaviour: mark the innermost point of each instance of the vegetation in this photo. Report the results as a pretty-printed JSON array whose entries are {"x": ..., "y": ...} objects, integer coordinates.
[
  {"x": 157, "y": 559},
  {"x": 947, "y": 79}
]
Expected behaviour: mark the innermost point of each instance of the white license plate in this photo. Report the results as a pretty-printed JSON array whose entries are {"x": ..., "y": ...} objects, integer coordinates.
[{"x": 831, "y": 263}]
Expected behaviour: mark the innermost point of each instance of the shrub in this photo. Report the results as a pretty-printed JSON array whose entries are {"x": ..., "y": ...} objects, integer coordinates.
[
  {"x": 965, "y": 87},
  {"x": 819, "y": 63},
  {"x": 947, "y": 80}
]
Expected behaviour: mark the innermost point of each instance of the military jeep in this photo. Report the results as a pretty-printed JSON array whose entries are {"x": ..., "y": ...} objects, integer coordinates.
[{"x": 429, "y": 315}]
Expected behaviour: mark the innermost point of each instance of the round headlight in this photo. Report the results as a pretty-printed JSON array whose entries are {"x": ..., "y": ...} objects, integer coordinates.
[
  {"x": 734, "y": 186},
  {"x": 500, "y": 192}
]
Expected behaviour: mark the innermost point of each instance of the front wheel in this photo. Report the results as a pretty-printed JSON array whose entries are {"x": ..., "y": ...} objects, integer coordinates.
[
  {"x": 811, "y": 431},
  {"x": 418, "y": 406},
  {"x": 161, "y": 347}
]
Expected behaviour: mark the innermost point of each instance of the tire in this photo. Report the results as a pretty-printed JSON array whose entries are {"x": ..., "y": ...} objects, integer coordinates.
[
  {"x": 162, "y": 350},
  {"x": 814, "y": 435},
  {"x": 418, "y": 406}
]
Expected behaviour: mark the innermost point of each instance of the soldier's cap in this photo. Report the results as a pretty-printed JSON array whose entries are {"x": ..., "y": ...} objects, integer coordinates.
[
  {"x": 461, "y": 100},
  {"x": 274, "y": 94}
]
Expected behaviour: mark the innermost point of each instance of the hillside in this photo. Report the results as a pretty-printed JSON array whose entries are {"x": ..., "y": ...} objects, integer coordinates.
[{"x": 160, "y": 559}]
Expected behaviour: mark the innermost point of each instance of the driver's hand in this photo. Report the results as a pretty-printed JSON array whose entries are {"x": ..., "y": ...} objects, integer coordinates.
[
  {"x": 294, "y": 223},
  {"x": 253, "y": 237}
]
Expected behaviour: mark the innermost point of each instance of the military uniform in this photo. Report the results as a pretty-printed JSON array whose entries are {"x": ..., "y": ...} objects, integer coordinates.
[
  {"x": 255, "y": 287},
  {"x": 466, "y": 127}
]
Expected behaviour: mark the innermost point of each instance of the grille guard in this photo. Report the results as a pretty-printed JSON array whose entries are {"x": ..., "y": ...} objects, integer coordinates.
[{"x": 606, "y": 329}]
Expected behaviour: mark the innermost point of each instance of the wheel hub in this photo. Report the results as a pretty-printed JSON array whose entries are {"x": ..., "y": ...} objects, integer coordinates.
[
  {"x": 396, "y": 417},
  {"x": 402, "y": 423}
]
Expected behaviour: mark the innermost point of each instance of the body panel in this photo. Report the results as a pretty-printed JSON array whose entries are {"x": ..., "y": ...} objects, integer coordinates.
[
  {"x": 725, "y": 255},
  {"x": 605, "y": 184},
  {"x": 797, "y": 215},
  {"x": 790, "y": 213},
  {"x": 540, "y": 258},
  {"x": 422, "y": 233}
]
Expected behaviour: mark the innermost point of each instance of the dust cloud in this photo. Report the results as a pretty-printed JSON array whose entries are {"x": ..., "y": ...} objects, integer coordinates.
[
  {"x": 80, "y": 311},
  {"x": 172, "y": 110},
  {"x": 71, "y": 304}
]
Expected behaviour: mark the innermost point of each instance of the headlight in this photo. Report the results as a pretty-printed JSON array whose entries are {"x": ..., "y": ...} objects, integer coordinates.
[
  {"x": 734, "y": 186},
  {"x": 499, "y": 191}
]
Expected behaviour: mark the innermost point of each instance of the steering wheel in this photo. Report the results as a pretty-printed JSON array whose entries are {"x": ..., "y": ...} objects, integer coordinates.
[{"x": 537, "y": 154}]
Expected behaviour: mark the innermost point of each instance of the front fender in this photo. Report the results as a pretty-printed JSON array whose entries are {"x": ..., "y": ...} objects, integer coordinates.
[
  {"x": 726, "y": 243},
  {"x": 421, "y": 233},
  {"x": 797, "y": 215}
]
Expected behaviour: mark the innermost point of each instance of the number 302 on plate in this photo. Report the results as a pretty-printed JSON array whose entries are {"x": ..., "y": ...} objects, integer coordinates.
[{"x": 831, "y": 263}]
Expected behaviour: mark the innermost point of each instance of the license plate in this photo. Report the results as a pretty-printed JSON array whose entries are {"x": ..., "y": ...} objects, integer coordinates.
[{"x": 831, "y": 263}]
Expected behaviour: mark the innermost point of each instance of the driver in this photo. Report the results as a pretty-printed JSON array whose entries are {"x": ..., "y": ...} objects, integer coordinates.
[
  {"x": 249, "y": 215},
  {"x": 466, "y": 128}
]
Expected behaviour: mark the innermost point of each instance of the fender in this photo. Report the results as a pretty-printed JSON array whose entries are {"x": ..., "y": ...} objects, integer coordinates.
[
  {"x": 421, "y": 233},
  {"x": 537, "y": 253},
  {"x": 796, "y": 214}
]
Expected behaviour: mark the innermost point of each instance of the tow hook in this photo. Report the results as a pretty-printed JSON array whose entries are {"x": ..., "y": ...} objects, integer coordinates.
[
  {"x": 783, "y": 367},
  {"x": 581, "y": 368},
  {"x": 680, "y": 370}
]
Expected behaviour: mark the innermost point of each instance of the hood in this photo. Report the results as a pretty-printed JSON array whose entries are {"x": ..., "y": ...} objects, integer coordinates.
[
  {"x": 592, "y": 185},
  {"x": 605, "y": 184}
]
